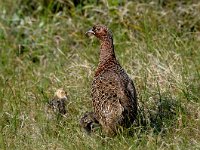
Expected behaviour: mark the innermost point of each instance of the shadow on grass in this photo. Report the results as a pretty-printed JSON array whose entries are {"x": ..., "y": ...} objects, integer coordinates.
[{"x": 159, "y": 116}]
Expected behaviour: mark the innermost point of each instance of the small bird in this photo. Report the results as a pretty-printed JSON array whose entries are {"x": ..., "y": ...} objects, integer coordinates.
[
  {"x": 88, "y": 122},
  {"x": 59, "y": 101},
  {"x": 113, "y": 92}
]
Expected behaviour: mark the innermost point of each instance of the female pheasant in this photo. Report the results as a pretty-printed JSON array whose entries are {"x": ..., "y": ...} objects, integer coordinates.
[{"x": 113, "y": 93}]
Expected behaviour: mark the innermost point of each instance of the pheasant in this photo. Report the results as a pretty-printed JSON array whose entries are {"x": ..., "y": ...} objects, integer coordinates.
[
  {"x": 113, "y": 93},
  {"x": 59, "y": 101},
  {"x": 88, "y": 122}
]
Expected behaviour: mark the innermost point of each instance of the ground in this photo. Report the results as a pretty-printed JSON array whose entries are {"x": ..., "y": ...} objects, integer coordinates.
[{"x": 43, "y": 47}]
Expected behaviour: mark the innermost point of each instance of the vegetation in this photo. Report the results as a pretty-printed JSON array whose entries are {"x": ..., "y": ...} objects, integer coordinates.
[{"x": 43, "y": 47}]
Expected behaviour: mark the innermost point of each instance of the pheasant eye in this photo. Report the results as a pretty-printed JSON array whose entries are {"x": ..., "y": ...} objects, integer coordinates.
[{"x": 97, "y": 29}]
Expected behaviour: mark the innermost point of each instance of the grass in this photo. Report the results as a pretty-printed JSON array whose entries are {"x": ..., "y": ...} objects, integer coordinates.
[{"x": 44, "y": 48}]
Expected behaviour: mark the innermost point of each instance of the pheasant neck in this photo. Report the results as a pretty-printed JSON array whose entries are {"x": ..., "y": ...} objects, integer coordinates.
[{"x": 106, "y": 50}]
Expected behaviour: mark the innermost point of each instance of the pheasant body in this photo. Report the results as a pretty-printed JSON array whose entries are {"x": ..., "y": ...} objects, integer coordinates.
[{"x": 113, "y": 93}]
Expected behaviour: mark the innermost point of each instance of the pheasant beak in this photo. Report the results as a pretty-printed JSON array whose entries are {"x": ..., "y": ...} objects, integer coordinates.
[
  {"x": 90, "y": 32},
  {"x": 65, "y": 97}
]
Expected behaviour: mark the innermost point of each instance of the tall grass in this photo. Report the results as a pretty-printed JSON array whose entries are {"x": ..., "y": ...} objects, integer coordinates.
[{"x": 43, "y": 47}]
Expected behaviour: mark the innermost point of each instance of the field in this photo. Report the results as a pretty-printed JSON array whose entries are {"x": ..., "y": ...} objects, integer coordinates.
[{"x": 43, "y": 47}]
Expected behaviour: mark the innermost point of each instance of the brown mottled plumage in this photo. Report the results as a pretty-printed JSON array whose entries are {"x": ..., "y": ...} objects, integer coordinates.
[
  {"x": 113, "y": 92},
  {"x": 59, "y": 101}
]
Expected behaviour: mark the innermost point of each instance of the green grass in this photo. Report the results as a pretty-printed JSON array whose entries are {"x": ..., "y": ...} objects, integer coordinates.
[{"x": 42, "y": 50}]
